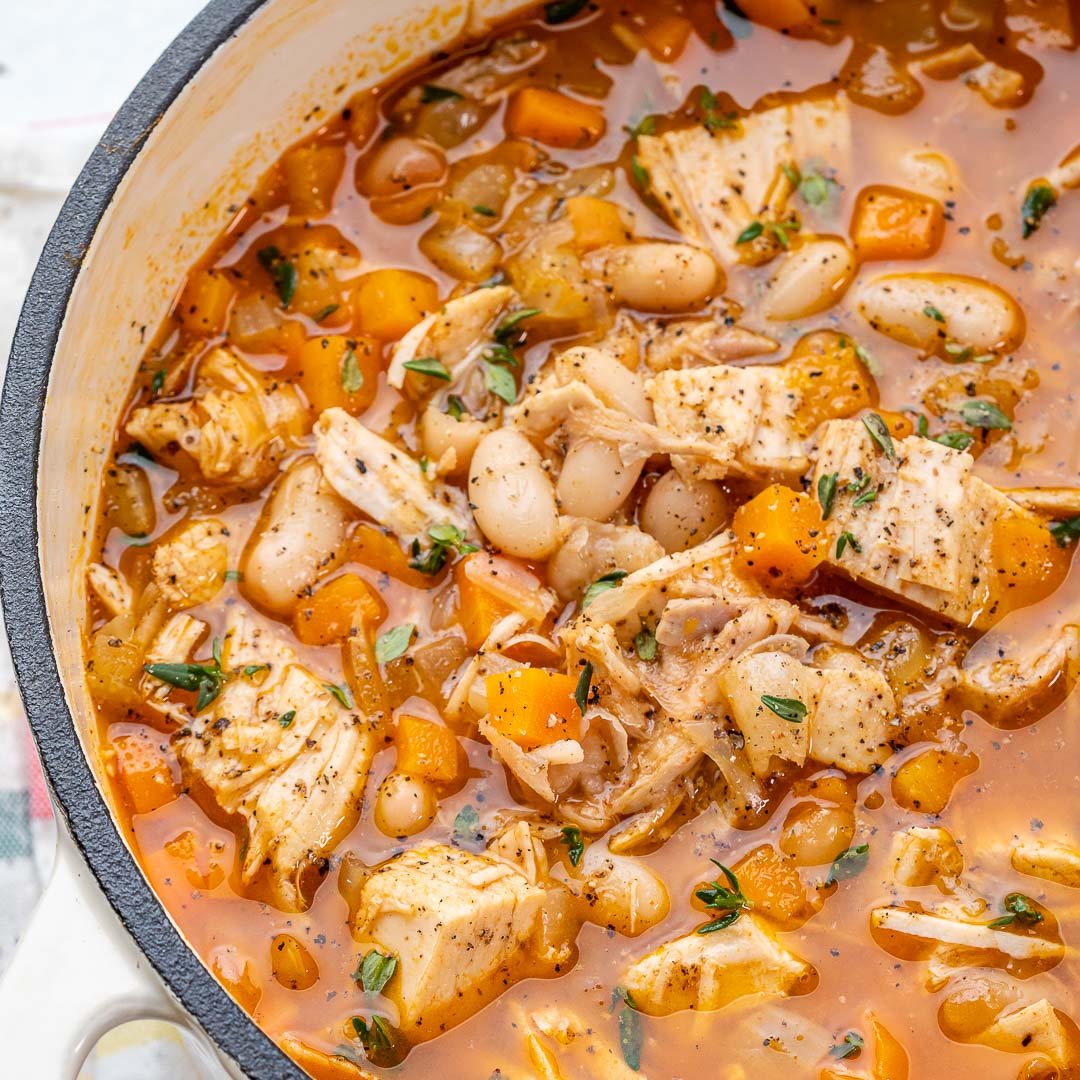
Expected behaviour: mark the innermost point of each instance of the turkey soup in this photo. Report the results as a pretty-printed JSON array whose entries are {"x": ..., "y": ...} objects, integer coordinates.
[{"x": 582, "y": 586}]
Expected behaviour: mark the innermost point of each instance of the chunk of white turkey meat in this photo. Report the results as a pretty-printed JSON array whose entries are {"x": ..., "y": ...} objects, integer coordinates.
[
  {"x": 190, "y": 567},
  {"x": 1033, "y": 1029},
  {"x": 701, "y": 342},
  {"x": 708, "y": 971},
  {"x": 927, "y": 535},
  {"x": 850, "y": 710},
  {"x": 925, "y": 856},
  {"x": 589, "y": 549},
  {"x": 462, "y": 926},
  {"x": 456, "y": 335},
  {"x": 111, "y": 588},
  {"x": 713, "y": 184},
  {"x": 236, "y": 426},
  {"x": 1051, "y": 860},
  {"x": 279, "y": 749},
  {"x": 299, "y": 537},
  {"x": 173, "y": 644},
  {"x": 383, "y": 480},
  {"x": 580, "y": 1043},
  {"x": 747, "y": 414}
]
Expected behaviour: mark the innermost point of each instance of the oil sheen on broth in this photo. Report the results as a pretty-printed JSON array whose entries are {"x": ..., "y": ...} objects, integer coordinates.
[{"x": 583, "y": 581}]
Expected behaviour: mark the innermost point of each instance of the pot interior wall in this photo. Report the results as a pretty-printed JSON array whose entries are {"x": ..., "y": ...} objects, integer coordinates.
[{"x": 291, "y": 64}]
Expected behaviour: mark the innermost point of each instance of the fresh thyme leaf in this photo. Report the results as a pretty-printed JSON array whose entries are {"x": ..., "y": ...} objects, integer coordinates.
[
  {"x": 954, "y": 440},
  {"x": 455, "y": 407},
  {"x": 352, "y": 378},
  {"x": 879, "y": 432},
  {"x": 645, "y": 644},
  {"x": 377, "y": 1038},
  {"x": 505, "y": 332},
  {"x": 393, "y": 643},
  {"x": 826, "y": 493},
  {"x": 645, "y": 126},
  {"x": 984, "y": 414},
  {"x": 959, "y": 354},
  {"x": 639, "y": 173},
  {"x": 326, "y": 312},
  {"x": 341, "y": 692},
  {"x": 430, "y": 92},
  {"x": 816, "y": 189},
  {"x": 202, "y": 679},
  {"x": 281, "y": 270},
  {"x": 575, "y": 844},
  {"x": 499, "y": 381},
  {"x": 934, "y": 313},
  {"x": 846, "y": 539},
  {"x": 286, "y": 718},
  {"x": 1018, "y": 908},
  {"x": 1065, "y": 532},
  {"x": 631, "y": 1032},
  {"x": 601, "y": 585},
  {"x": 852, "y": 1043},
  {"x": 467, "y": 831},
  {"x": 560, "y": 11},
  {"x": 251, "y": 670},
  {"x": 1038, "y": 200},
  {"x": 779, "y": 229},
  {"x": 790, "y": 709},
  {"x": 751, "y": 232},
  {"x": 484, "y": 211},
  {"x": 866, "y": 497},
  {"x": 428, "y": 365},
  {"x": 375, "y": 971},
  {"x": 157, "y": 382},
  {"x": 849, "y": 863},
  {"x": 445, "y": 538},
  {"x": 581, "y": 693},
  {"x": 728, "y": 899},
  {"x": 792, "y": 174}
]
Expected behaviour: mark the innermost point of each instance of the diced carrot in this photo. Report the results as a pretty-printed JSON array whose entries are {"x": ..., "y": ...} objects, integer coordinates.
[
  {"x": 374, "y": 548},
  {"x": 311, "y": 175},
  {"x": 533, "y": 707},
  {"x": 390, "y": 302},
  {"x": 363, "y": 117},
  {"x": 339, "y": 370},
  {"x": 427, "y": 750},
  {"x": 478, "y": 608},
  {"x": 144, "y": 771},
  {"x": 666, "y": 34},
  {"x": 926, "y": 781},
  {"x": 553, "y": 118},
  {"x": 1027, "y": 562},
  {"x": 891, "y": 223},
  {"x": 596, "y": 222},
  {"x": 772, "y": 883},
  {"x": 776, "y": 14},
  {"x": 781, "y": 536},
  {"x": 824, "y": 367},
  {"x": 204, "y": 302},
  {"x": 340, "y": 608},
  {"x": 898, "y": 423},
  {"x": 890, "y": 1057}
]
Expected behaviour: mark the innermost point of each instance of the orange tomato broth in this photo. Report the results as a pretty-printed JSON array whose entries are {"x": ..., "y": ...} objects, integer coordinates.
[{"x": 1025, "y": 776}]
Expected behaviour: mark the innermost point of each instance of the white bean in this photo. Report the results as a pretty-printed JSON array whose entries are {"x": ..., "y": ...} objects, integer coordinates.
[
  {"x": 972, "y": 312},
  {"x": 591, "y": 549},
  {"x": 657, "y": 275},
  {"x": 400, "y": 165},
  {"x": 930, "y": 172},
  {"x": 404, "y": 805},
  {"x": 594, "y": 482},
  {"x": 512, "y": 495},
  {"x": 440, "y": 432},
  {"x": 810, "y": 279},
  {"x": 299, "y": 536},
  {"x": 623, "y": 894},
  {"x": 680, "y": 514},
  {"x": 613, "y": 383}
]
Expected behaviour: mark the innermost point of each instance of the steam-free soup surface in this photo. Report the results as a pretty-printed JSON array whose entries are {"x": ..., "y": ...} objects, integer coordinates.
[{"x": 584, "y": 577}]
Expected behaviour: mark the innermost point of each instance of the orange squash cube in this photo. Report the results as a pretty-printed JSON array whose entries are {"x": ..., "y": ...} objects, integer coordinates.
[
  {"x": 666, "y": 34},
  {"x": 1027, "y": 562},
  {"x": 891, "y": 223},
  {"x": 427, "y": 750},
  {"x": 926, "y": 781},
  {"x": 339, "y": 609},
  {"x": 781, "y": 537},
  {"x": 776, "y": 14},
  {"x": 144, "y": 771},
  {"x": 478, "y": 608},
  {"x": 596, "y": 222},
  {"x": 390, "y": 302},
  {"x": 533, "y": 707},
  {"x": 372, "y": 547},
  {"x": 825, "y": 369},
  {"x": 339, "y": 370},
  {"x": 204, "y": 303},
  {"x": 311, "y": 174},
  {"x": 553, "y": 118}
]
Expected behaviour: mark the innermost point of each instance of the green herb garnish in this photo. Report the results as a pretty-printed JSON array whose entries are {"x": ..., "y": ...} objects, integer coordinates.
[
  {"x": 375, "y": 971},
  {"x": 790, "y": 709},
  {"x": 847, "y": 540},
  {"x": 631, "y": 1032},
  {"x": 561, "y": 11},
  {"x": 326, "y": 312},
  {"x": 352, "y": 378},
  {"x": 826, "y": 493},
  {"x": 393, "y": 643},
  {"x": 575, "y": 843},
  {"x": 1065, "y": 532},
  {"x": 719, "y": 897},
  {"x": 429, "y": 365},
  {"x": 848, "y": 863},
  {"x": 879, "y": 432},
  {"x": 751, "y": 232},
  {"x": 341, "y": 692},
  {"x": 445, "y": 538},
  {"x": 506, "y": 331},
  {"x": 1038, "y": 200},
  {"x": 639, "y": 173},
  {"x": 484, "y": 211},
  {"x": 286, "y": 718},
  {"x": 933, "y": 313},
  {"x": 157, "y": 382},
  {"x": 430, "y": 92},
  {"x": 281, "y": 270},
  {"x": 205, "y": 680},
  {"x": 645, "y": 644},
  {"x": 581, "y": 693},
  {"x": 954, "y": 440},
  {"x": 852, "y": 1043},
  {"x": 984, "y": 414},
  {"x": 499, "y": 381},
  {"x": 1019, "y": 908},
  {"x": 601, "y": 585}
]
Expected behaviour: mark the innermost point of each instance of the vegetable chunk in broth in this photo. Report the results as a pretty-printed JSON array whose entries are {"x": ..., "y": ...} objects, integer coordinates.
[{"x": 583, "y": 584}]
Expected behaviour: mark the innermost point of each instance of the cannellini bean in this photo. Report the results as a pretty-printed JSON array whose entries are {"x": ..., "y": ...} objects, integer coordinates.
[
  {"x": 814, "y": 834},
  {"x": 657, "y": 275},
  {"x": 512, "y": 495},
  {"x": 293, "y": 966},
  {"x": 594, "y": 482},
  {"x": 440, "y": 432},
  {"x": 810, "y": 279},
  {"x": 401, "y": 164},
  {"x": 930, "y": 172},
  {"x": 680, "y": 514},
  {"x": 404, "y": 805},
  {"x": 613, "y": 383},
  {"x": 973, "y": 312},
  {"x": 299, "y": 535},
  {"x": 622, "y": 893},
  {"x": 590, "y": 550}
]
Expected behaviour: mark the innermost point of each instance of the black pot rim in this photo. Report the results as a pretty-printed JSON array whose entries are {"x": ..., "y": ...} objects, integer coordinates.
[{"x": 75, "y": 792}]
